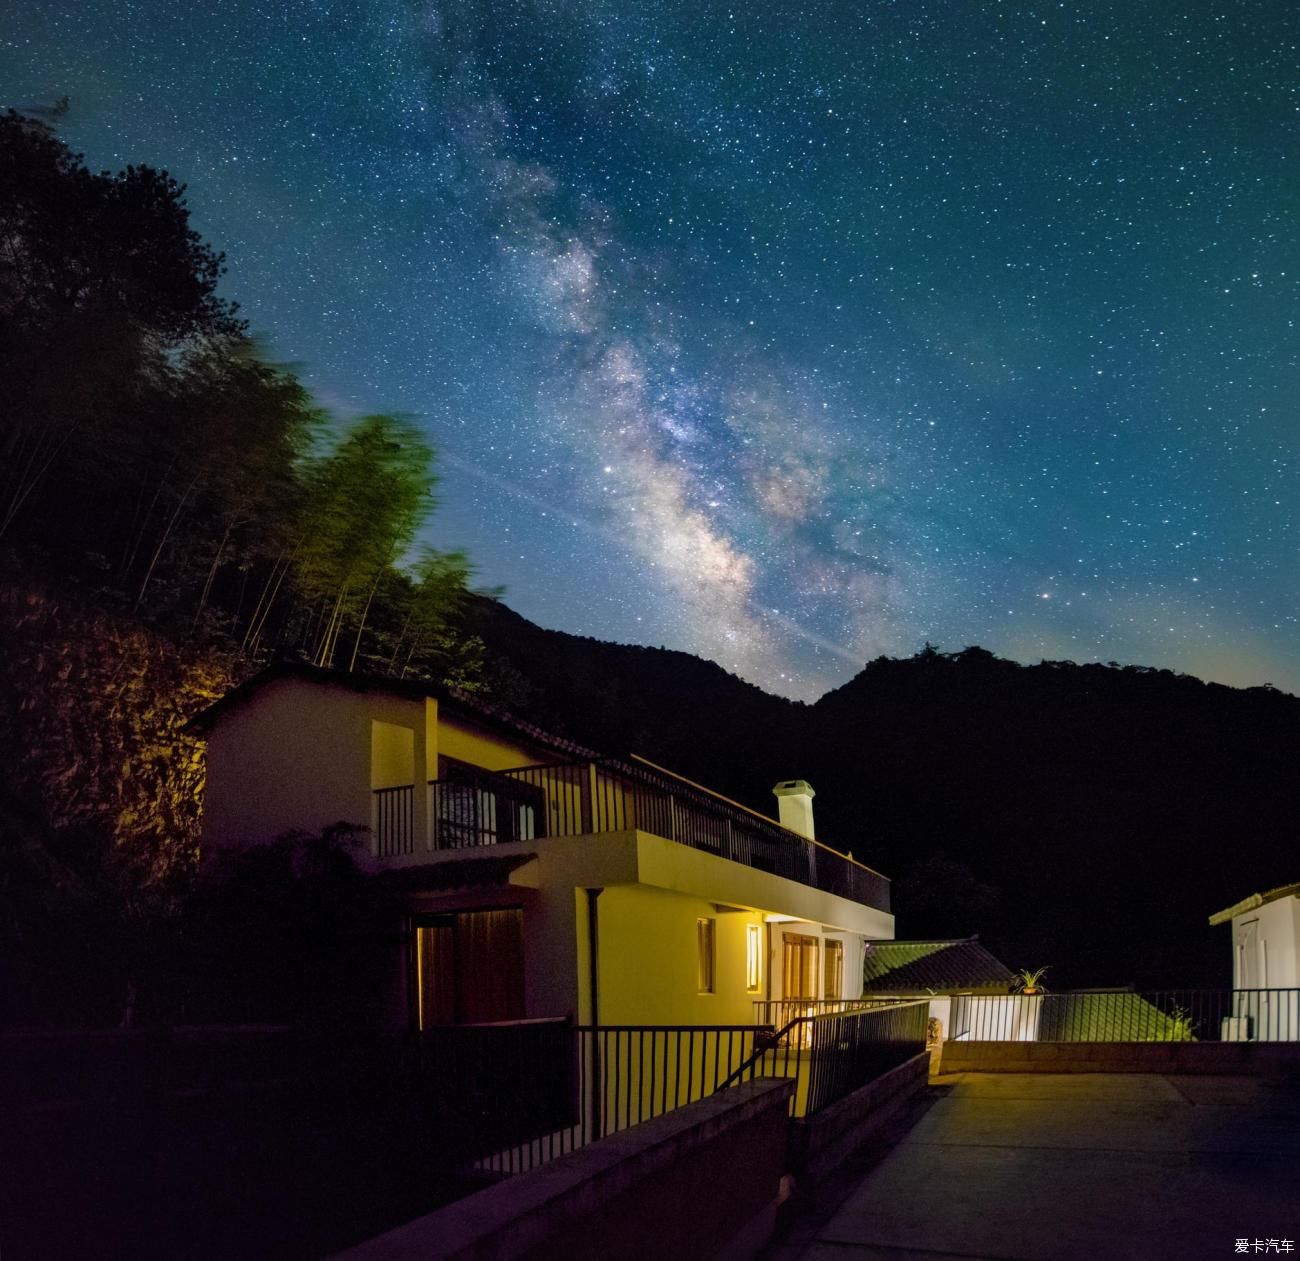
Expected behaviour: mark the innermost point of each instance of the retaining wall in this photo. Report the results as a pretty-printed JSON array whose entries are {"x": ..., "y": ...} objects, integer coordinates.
[
  {"x": 701, "y": 1181},
  {"x": 821, "y": 1142},
  {"x": 1250, "y": 1058}
]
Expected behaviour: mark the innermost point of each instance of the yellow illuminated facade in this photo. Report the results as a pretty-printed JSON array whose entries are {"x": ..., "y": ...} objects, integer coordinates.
[{"x": 536, "y": 882}]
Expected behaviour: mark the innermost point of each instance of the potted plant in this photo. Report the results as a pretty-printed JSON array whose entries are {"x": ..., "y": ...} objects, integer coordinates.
[{"x": 1029, "y": 982}]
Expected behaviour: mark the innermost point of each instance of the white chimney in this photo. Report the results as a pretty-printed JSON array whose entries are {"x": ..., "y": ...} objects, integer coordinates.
[{"x": 794, "y": 797}]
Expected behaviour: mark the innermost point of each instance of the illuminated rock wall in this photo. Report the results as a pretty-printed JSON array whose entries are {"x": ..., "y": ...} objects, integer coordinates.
[{"x": 92, "y": 709}]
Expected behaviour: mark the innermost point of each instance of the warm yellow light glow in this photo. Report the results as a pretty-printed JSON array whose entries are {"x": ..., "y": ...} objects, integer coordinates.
[
  {"x": 705, "y": 938},
  {"x": 753, "y": 957},
  {"x": 419, "y": 981}
]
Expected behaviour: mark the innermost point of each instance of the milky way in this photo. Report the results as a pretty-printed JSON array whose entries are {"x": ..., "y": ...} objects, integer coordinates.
[{"x": 785, "y": 334}]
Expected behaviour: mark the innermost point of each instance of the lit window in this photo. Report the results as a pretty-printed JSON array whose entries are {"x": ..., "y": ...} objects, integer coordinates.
[
  {"x": 753, "y": 955},
  {"x": 704, "y": 943}
]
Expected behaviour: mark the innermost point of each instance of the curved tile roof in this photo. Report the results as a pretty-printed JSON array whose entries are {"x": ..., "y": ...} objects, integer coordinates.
[{"x": 916, "y": 967}]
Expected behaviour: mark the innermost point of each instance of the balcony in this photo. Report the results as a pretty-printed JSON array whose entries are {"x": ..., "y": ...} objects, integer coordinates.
[{"x": 585, "y": 798}]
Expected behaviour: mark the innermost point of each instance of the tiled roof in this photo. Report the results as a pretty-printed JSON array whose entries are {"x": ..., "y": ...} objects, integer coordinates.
[
  {"x": 1111, "y": 1018},
  {"x": 455, "y": 702},
  {"x": 1255, "y": 901},
  {"x": 915, "y": 967}
]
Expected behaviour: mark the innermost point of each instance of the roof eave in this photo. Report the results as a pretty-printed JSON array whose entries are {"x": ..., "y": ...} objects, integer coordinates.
[
  {"x": 456, "y": 704},
  {"x": 1254, "y": 902}
]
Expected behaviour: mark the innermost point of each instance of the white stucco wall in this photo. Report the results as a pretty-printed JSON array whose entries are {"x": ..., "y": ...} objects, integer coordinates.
[
  {"x": 1273, "y": 961},
  {"x": 853, "y": 948},
  {"x": 298, "y": 755}
]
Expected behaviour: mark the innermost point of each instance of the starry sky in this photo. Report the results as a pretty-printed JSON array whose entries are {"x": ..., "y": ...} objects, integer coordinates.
[{"x": 790, "y": 333}]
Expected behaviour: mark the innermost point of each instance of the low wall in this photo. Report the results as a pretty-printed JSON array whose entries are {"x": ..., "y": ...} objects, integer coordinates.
[
  {"x": 821, "y": 1142},
  {"x": 1249, "y": 1058},
  {"x": 697, "y": 1182}
]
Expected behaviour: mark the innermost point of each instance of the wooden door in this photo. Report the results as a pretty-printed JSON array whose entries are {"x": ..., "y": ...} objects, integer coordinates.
[{"x": 469, "y": 968}]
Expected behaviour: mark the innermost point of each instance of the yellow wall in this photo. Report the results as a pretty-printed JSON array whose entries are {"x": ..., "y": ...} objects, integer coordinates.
[
  {"x": 467, "y": 743},
  {"x": 669, "y": 865},
  {"x": 392, "y": 755},
  {"x": 649, "y": 960}
]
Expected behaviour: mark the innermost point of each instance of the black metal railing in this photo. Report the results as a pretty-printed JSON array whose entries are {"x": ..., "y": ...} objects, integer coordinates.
[
  {"x": 155, "y": 1126},
  {"x": 1257, "y": 1015},
  {"x": 847, "y": 1051},
  {"x": 780, "y": 1011},
  {"x": 577, "y": 798},
  {"x": 834, "y": 1054},
  {"x": 617, "y": 1076},
  {"x": 393, "y": 824}
]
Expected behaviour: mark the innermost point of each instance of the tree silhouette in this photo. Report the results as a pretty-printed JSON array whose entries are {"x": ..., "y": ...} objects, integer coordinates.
[{"x": 101, "y": 277}]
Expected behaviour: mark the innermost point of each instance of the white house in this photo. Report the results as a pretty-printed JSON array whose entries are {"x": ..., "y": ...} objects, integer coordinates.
[{"x": 540, "y": 877}]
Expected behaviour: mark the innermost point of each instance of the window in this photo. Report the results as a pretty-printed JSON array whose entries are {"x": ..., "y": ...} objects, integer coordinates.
[
  {"x": 834, "y": 970},
  {"x": 753, "y": 957},
  {"x": 704, "y": 945}
]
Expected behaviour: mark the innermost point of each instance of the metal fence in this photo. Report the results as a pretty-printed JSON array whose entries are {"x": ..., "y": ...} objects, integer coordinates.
[
  {"x": 833, "y": 1054},
  {"x": 617, "y": 1076},
  {"x": 847, "y": 1051},
  {"x": 577, "y": 798},
  {"x": 621, "y": 1076},
  {"x": 393, "y": 824},
  {"x": 780, "y": 1011},
  {"x": 155, "y": 1128},
  {"x": 1257, "y": 1015}
]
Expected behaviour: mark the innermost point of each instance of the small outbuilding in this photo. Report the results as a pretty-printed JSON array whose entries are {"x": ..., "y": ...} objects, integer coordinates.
[
  {"x": 1265, "y": 966},
  {"x": 1265, "y": 937}
]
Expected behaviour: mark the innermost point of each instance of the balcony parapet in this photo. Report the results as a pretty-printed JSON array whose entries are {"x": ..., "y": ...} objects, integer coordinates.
[{"x": 561, "y": 799}]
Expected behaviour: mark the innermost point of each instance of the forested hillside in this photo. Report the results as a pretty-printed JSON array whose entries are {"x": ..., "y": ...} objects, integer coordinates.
[
  {"x": 175, "y": 509},
  {"x": 1088, "y": 817}
]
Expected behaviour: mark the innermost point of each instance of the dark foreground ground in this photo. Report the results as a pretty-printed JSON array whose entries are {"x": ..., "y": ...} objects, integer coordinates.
[{"x": 1051, "y": 1168}]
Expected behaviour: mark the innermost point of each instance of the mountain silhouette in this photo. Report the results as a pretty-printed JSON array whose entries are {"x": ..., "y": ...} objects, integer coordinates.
[{"x": 1089, "y": 817}]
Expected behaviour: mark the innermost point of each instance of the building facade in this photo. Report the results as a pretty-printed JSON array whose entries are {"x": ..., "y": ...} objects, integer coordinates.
[{"x": 541, "y": 878}]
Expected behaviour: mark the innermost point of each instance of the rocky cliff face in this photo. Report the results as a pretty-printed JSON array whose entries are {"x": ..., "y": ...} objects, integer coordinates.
[{"x": 92, "y": 711}]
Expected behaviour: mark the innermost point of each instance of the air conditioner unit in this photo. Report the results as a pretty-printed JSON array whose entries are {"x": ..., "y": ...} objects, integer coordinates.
[{"x": 1236, "y": 1029}]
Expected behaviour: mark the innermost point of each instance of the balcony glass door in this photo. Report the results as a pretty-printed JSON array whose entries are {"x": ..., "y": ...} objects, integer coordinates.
[
  {"x": 834, "y": 987},
  {"x": 474, "y": 806},
  {"x": 799, "y": 966}
]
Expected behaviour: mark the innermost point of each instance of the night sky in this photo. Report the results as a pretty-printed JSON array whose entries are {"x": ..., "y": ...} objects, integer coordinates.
[{"x": 786, "y": 334}]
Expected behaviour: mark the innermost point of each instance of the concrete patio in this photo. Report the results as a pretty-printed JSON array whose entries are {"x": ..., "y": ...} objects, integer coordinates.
[{"x": 1048, "y": 1168}]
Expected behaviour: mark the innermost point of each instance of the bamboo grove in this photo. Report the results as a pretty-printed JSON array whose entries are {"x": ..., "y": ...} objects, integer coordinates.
[{"x": 150, "y": 449}]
